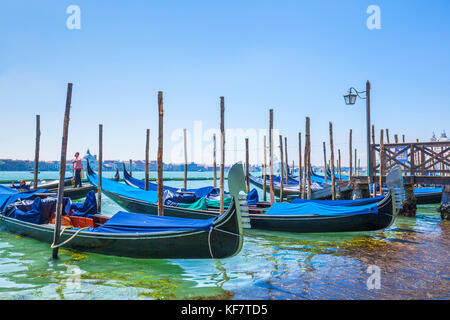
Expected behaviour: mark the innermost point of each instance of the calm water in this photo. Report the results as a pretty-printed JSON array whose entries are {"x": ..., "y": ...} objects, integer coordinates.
[{"x": 413, "y": 257}]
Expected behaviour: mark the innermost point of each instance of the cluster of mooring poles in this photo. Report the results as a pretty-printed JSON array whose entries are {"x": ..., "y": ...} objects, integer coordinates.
[
  {"x": 62, "y": 168},
  {"x": 428, "y": 163}
]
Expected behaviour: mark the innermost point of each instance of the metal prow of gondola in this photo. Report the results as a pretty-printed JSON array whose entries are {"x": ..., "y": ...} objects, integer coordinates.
[
  {"x": 394, "y": 182},
  {"x": 238, "y": 190}
]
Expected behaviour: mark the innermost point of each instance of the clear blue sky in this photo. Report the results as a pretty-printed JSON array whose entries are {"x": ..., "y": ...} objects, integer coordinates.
[{"x": 298, "y": 57}]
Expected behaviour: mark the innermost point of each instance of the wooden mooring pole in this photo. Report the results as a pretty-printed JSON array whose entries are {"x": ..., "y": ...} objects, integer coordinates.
[
  {"x": 265, "y": 171},
  {"x": 325, "y": 162},
  {"x": 131, "y": 167},
  {"x": 36, "y": 151},
  {"x": 272, "y": 195},
  {"x": 281, "y": 169},
  {"x": 62, "y": 173},
  {"x": 350, "y": 173},
  {"x": 160, "y": 154},
  {"x": 382, "y": 160},
  {"x": 214, "y": 161},
  {"x": 147, "y": 159},
  {"x": 300, "y": 175},
  {"x": 308, "y": 157},
  {"x": 333, "y": 185},
  {"x": 100, "y": 167},
  {"x": 185, "y": 159},
  {"x": 222, "y": 159},
  {"x": 286, "y": 160},
  {"x": 339, "y": 164},
  {"x": 247, "y": 165},
  {"x": 444, "y": 208}
]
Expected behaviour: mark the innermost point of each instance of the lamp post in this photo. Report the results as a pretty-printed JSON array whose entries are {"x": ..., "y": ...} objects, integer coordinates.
[{"x": 350, "y": 99}]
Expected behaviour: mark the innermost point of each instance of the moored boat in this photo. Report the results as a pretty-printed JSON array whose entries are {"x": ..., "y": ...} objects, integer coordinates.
[
  {"x": 128, "y": 234},
  {"x": 314, "y": 217}
]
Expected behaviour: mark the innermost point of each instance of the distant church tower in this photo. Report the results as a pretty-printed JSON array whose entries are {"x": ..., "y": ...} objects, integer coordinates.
[
  {"x": 92, "y": 160},
  {"x": 433, "y": 138}
]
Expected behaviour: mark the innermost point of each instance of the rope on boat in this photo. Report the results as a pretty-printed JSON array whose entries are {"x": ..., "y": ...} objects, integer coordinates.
[
  {"x": 209, "y": 238},
  {"x": 53, "y": 246}
]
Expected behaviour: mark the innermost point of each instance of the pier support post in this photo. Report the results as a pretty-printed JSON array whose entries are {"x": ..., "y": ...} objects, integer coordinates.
[
  {"x": 343, "y": 195},
  {"x": 360, "y": 190},
  {"x": 409, "y": 205},
  {"x": 444, "y": 209}
]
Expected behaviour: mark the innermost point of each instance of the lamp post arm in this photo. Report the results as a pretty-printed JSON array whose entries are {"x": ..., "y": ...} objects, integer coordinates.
[{"x": 357, "y": 92}]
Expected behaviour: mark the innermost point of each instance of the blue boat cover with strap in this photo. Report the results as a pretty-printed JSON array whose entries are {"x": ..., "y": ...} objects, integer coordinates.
[
  {"x": 349, "y": 203},
  {"x": 313, "y": 208},
  {"x": 127, "y": 222}
]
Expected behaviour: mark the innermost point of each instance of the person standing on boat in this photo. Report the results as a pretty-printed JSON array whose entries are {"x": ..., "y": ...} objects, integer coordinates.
[{"x": 77, "y": 166}]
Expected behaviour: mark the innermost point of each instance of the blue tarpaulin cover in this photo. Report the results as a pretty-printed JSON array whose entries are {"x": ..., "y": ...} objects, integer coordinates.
[
  {"x": 350, "y": 203},
  {"x": 32, "y": 216},
  {"x": 427, "y": 190},
  {"x": 124, "y": 190},
  {"x": 86, "y": 209},
  {"x": 199, "y": 193},
  {"x": 127, "y": 222},
  {"x": 8, "y": 195},
  {"x": 252, "y": 197},
  {"x": 276, "y": 182},
  {"x": 312, "y": 208}
]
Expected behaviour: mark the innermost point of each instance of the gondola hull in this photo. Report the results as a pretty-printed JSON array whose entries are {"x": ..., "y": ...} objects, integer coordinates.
[
  {"x": 55, "y": 184},
  {"x": 428, "y": 197},
  {"x": 222, "y": 241},
  {"x": 138, "y": 206},
  {"x": 323, "y": 224},
  {"x": 76, "y": 193}
]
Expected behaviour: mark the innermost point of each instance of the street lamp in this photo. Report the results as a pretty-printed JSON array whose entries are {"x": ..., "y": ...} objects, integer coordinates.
[{"x": 350, "y": 99}]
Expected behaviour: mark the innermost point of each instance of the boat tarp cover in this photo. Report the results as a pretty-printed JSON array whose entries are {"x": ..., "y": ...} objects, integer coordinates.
[
  {"x": 149, "y": 196},
  {"x": 8, "y": 195},
  {"x": 33, "y": 215},
  {"x": 200, "y": 192},
  {"x": 349, "y": 203},
  {"x": 312, "y": 208},
  {"x": 252, "y": 197},
  {"x": 124, "y": 190},
  {"x": 276, "y": 183},
  {"x": 38, "y": 210},
  {"x": 86, "y": 209},
  {"x": 127, "y": 222},
  {"x": 427, "y": 190}
]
